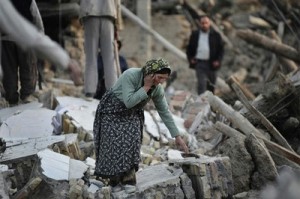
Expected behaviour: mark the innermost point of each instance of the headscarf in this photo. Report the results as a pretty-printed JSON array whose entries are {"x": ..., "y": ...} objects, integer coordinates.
[{"x": 155, "y": 65}]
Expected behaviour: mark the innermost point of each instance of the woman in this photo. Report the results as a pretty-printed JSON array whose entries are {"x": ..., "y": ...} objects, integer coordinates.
[{"x": 119, "y": 121}]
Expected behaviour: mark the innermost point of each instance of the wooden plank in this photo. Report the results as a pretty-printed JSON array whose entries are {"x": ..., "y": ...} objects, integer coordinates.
[
  {"x": 271, "y": 146},
  {"x": 272, "y": 129},
  {"x": 269, "y": 44}
]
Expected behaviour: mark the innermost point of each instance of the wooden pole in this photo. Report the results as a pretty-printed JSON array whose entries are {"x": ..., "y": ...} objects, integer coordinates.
[
  {"x": 248, "y": 94},
  {"x": 274, "y": 132},
  {"x": 269, "y": 44},
  {"x": 144, "y": 13},
  {"x": 288, "y": 64},
  {"x": 155, "y": 34},
  {"x": 233, "y": 116},
  {"x": 271, "y": 146}
]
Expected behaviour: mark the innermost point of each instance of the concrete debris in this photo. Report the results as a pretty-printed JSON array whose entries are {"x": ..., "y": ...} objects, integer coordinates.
[
  {"x": 8, "y": 112},
  {"x": 34, "y": 123},
  {"x": 49, "y": 155},
  {"x": 47, "y": 151},
  {"x": 60, "y": 167},
  {"x": 63, "y": 151},
  {"x": 24, "y": 148},
  {"x": 211, "y": 176}
]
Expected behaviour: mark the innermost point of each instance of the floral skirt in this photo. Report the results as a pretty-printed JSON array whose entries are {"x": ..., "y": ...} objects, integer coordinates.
[{"x": 117, "y": 136}]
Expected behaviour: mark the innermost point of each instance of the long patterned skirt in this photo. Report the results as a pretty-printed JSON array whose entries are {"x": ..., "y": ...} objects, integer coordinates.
[{"x": 117, "y": 136}]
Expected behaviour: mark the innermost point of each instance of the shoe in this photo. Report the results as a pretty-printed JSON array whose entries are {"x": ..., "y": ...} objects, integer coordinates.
[
  {"x": 89, "y": 96},
  {"x": 29, "y": 98},
  {"x": 13, "y": 103}
]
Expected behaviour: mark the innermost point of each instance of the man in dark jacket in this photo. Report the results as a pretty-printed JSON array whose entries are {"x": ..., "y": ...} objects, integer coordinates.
[{"x": 205, "y": 52}]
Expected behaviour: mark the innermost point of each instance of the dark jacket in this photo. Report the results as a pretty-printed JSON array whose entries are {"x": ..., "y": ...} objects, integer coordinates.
[
  {"x": 23, "y": 7},
  {"x": 216, "y": 47}
]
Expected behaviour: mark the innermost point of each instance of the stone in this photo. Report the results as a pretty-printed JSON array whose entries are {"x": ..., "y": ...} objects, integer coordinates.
[
  {"x": 146, "y": 138},
  {"x": 105, "y": 193},
  {"x": 75, "y": 191},
  {"x": 265, "y": 168},
  {"x": 158, "y": 178},
  {"x": 235, "y": 149},
  {"x": 211, "y": 177},
  {"x": 187, "y": 187}
]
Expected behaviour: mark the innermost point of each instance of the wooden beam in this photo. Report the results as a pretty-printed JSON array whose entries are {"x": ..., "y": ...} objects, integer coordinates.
[
  {"x": 248, "y": 94},
  {"x": 239, "y": 121},
  {"x": 155, "y": 34},
  {"x": 273, "y": 131},
  {"x": 269, "y": 44},
  {"x": 271, "y": 146}
]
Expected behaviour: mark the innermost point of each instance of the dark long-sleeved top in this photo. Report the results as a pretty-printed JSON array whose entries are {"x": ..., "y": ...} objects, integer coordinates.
[{"x": 216, "y": 46}]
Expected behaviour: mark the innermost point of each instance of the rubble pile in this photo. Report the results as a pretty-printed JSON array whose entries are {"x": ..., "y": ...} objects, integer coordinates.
[
  {"x": 53, "y": 154},
  {"x": 243, "y": 140},
  {"x": 56, "y": 149}
]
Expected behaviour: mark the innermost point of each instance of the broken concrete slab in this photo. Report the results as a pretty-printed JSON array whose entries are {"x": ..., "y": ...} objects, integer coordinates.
[
  {"x": 79, "y": 110},
  {"x": 10, "y": 111},
  {"x": 28, "y": 124},
  {"x": 61, "y": 167},
  {"x": 158, "y": 181},
  {"x": 150, "y": 125},
  {"x": 22, "y": 148},
  {"x": 174, "y": 154},
  {"x": 211, "y": 176}
]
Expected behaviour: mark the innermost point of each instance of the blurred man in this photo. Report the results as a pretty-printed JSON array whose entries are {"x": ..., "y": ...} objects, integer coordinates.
[
  {"x": 101, "y": 77},
  {"x": 101, "y": 20},
  {"x": 18, "y": 64},
  {"x": 28, "y": 37},
  {"x": 205, "y": 52}
]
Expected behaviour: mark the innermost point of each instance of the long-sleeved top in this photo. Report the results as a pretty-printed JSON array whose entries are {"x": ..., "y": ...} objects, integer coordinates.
[
  {"x": 129, "y": 89},
  {"x": 216, "y": 46},
  {"x": 28, "y": 37}
]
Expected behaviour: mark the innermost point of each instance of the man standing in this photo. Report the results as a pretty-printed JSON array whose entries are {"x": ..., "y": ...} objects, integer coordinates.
[
  {"x": 19, "y": 63},
  {"x": 101, "y": 80},
  {"x": 205, "y": 52},
  {"x": 29, "y": 38},
  {"x": 101, "y": 20}
]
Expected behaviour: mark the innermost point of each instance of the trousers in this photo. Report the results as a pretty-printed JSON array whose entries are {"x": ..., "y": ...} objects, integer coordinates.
[
  {"x": 206, "y": 77},
  {"x": 99, "y": 34},
  {"x": 18, "y": 63}
]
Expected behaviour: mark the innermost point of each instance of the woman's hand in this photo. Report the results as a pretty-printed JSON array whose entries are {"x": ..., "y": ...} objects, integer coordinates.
[
  {"x": 180, "y": 142},
  {"x": 148, "y": 82}
]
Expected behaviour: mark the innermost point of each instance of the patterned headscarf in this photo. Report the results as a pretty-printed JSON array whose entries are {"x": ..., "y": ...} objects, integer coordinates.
[{"x": 155, "y": 65}]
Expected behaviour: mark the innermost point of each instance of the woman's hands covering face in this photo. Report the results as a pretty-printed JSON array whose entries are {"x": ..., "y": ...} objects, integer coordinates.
[{"x": 149, "y": 81}]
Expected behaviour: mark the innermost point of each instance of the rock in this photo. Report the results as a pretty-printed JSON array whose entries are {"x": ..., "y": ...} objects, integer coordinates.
[
  {"x": 265, "y": 169},
  {"x": 241, "y": 163},
  {"x": 157, "y": 181},
  {"x": 211, "y": 177}
]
